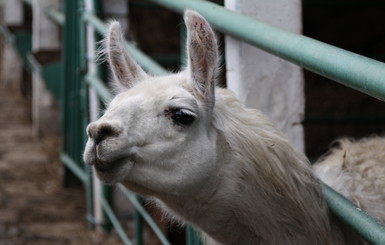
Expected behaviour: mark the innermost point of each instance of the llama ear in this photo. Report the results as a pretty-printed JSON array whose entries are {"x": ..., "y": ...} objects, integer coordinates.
[
  {"x": 125, "y": 70},
  {"x": 202, "y": 55}
]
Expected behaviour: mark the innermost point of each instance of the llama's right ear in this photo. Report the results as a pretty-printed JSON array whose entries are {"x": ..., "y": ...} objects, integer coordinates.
[
  {"x": 125, "y": 70},
  {"x": 202, "y": 55}
]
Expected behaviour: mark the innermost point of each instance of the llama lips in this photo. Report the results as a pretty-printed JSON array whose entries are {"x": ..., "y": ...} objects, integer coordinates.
[
  {"x": 115, "y": 163},
  {"x": 105, "y": 167}
]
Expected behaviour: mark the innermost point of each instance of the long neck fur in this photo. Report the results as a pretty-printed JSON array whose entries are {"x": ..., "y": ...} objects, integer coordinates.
[{"x": 264, "y": 192}]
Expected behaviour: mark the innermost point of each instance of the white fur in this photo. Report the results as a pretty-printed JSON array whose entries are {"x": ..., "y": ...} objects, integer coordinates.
[{"x": 230, "y": 172}]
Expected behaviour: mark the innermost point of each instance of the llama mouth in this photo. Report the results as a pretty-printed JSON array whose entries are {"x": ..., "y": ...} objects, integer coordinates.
[{"x": 102, "y": 166}]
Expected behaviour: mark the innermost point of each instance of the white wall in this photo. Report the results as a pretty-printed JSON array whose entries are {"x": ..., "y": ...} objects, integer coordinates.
[{"x": 261, "y": 80}]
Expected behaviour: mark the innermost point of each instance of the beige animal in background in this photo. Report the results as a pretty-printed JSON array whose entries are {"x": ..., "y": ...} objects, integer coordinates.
[
  {"x": 205, "y": 158},
  {"x": 356, "y": 169}
]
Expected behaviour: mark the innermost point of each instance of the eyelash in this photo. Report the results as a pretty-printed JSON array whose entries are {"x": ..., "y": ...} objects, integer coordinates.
[{"x": 180, "y": 116}]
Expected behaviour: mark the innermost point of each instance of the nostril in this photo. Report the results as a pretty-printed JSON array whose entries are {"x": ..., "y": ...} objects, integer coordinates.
[
  {"x": 104, "y": 131},
  {"x": 91, "y": 129}
]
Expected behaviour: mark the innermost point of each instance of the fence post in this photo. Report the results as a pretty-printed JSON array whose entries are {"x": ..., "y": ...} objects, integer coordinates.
[
  {"x": 74, "y": 98},
  {"x": 93, "y": 110},
  {"x": 192, "y": 236},
  {"x": 263, "y": 80}
]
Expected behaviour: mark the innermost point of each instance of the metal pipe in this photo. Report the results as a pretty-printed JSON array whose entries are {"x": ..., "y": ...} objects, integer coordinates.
[
  {"x": 138, "y": 206},
  {"x": 71, "y": 164},
  {"x": 192, "y": 236},
  {"x": 93, "y": 112},
  {"x": 115, "y": 222},
  {"x": 369, "y": 228},
  {"x": 35, "y": 66},
  {"x": 74, "y": 100},
  {"x": 8, "y": 36},
  {"x": 56, "y": 16},
  {"x": 99, "y": 87},
  {"x": 353, "y": 70},
  {"x": 138, "y": 228}
]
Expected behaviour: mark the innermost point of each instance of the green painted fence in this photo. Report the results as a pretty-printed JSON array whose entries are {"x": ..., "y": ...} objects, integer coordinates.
[{"x": 356, "y": 71}]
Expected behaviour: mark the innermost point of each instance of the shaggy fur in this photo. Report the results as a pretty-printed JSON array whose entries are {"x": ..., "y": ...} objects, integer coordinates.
[
  {"x": 356, "y": 169},
  {"x": 207, "y": 159}
]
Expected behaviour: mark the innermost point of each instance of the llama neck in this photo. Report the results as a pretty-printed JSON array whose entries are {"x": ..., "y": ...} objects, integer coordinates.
[
  {"x": 264, "y": 191},
  {"x": 263, "y": 187},
  {"x": 238, "y": 207}
]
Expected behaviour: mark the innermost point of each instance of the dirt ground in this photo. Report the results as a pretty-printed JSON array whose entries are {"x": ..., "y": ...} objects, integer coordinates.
[{"x": 34, "y": 207}]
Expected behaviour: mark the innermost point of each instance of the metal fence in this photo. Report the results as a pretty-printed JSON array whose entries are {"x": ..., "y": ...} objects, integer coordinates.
[{"x": 350, "y": 69}]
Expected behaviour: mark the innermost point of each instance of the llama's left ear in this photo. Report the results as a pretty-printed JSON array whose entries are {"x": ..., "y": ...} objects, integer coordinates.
[
  {"x": 125, "y": 70},
  {"x": 202, "y": 54}
]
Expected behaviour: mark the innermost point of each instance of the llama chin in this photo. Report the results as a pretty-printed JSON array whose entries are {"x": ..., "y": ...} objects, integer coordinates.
[{"x": 114, "y": 172}]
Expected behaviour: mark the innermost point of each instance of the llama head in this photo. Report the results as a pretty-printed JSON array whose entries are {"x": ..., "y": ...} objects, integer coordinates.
[{"x": 155, "y": 135}]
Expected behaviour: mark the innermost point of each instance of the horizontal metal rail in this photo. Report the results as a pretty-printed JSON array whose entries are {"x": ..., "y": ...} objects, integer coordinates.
[
  {"x": 8, "y": 36},
  {"x": 35, "y": 66},
  {"x": 100, "y": 88},
  {"x": 74, "y": 167},
  {"x": 115, "y": 222},
  {"x": 56, "y": 16},
  {"x": 369, "y": 228},
  {"x": 353, "y": 70},
  {"x": 138, "y": 206}
]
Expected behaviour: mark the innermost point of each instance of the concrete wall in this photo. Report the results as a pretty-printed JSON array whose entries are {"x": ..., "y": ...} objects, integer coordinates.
[{"x": 261, "y": 80}]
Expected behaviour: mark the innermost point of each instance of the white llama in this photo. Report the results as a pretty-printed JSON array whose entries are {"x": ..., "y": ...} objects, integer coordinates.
[{"x": 201, "y": 154}]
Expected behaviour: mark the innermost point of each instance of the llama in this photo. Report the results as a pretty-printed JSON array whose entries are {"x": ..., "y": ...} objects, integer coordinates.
[
  {"x": 357, "y": 171},
  {"x": 205, "y": 158}
]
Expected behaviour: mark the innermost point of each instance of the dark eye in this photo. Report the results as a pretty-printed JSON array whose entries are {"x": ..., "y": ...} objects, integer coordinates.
[{"x": 181, "y": 116}]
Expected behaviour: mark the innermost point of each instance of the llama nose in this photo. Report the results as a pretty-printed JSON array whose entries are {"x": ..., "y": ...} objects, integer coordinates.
[{"x": 100, "y": 131}]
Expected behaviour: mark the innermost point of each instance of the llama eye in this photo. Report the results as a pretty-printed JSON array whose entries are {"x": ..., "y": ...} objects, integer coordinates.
[{"x": 181, "y": 117}]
